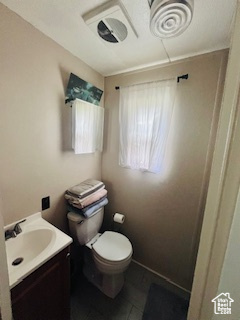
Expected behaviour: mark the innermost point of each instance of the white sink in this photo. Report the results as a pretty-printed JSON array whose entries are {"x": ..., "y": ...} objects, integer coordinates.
[
  {"x": 28, "y": 246},
  {"x": 38, "y": 242}
]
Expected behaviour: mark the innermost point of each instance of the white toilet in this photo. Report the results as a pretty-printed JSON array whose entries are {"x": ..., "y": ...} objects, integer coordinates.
[{"x": 107, "y": 255}]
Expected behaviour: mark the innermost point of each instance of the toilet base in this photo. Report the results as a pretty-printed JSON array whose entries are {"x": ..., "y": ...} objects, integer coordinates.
[{"x": 110, "y": 285}]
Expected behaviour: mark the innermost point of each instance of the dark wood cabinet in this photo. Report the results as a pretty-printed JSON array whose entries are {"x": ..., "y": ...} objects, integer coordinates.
[{"x": 44, "y": 294}]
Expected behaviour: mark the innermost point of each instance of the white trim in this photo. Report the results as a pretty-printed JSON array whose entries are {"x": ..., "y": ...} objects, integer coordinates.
[{"x": 165, "y": 62}]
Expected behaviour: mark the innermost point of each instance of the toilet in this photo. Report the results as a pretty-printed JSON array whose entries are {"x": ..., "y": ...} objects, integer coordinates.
[{"x": 106, "y": 255}]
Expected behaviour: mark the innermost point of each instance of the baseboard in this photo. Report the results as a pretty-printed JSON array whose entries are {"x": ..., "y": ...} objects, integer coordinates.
[{"x": 163, "y": 277}]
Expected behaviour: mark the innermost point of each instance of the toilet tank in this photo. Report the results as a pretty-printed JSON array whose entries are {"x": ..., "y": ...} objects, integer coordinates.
[{"x": 84, "y": 229}]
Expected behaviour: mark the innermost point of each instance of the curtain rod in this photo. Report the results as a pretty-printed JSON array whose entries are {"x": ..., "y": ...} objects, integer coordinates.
[{"x": 184, "y": 76}]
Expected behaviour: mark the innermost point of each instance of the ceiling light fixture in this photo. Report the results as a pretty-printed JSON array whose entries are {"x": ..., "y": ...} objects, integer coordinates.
[{"x": 170, "y": 18}]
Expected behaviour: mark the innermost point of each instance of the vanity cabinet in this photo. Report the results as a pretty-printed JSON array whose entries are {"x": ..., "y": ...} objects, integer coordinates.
[{"x": 44, "y": 294}]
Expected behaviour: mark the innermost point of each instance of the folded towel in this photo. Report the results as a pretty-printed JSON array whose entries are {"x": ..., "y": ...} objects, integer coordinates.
[
  {"x": 76, "y": 200},
  {"x": 83, "y": 210},
  {"x": 85, "y": 188},
  {"x": 91, "y": 211},
  {"x": 85, "y": 202}
]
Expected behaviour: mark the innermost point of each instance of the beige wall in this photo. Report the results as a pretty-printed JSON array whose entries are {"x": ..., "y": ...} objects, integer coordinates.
[
  {"x": 164, "y": 212},
  {"x": 36, "y": 159}
]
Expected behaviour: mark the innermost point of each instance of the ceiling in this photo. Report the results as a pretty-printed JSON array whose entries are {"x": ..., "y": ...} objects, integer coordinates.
[{"x": 62, "y": 21}]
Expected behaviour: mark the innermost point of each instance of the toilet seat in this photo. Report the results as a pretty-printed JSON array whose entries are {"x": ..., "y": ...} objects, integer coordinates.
[{"x": 112, "y": 248}]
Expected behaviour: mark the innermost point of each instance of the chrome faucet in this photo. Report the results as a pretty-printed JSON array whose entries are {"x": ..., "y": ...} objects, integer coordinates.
[{"x": 12, "y": 233}]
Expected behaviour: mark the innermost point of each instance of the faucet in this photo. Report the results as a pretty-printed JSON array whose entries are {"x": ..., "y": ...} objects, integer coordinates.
[
  {"x": 12, "y": 233},
  {"x": 17, "y": 229}
]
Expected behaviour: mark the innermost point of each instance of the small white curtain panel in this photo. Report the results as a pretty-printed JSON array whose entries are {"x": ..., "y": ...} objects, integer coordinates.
[
  {"x": 87, "y": 127},
  {"x": 145, "y": 116}
]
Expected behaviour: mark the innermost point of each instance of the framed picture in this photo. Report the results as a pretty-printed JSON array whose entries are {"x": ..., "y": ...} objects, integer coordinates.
[{"x": 80, "y": 89}]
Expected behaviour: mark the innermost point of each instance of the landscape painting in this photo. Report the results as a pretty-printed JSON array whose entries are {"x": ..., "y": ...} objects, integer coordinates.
[{"x": 80, "y": 89}]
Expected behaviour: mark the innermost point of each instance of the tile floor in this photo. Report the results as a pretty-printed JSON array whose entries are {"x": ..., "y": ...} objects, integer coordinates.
[{"x": 89, "y": 303}]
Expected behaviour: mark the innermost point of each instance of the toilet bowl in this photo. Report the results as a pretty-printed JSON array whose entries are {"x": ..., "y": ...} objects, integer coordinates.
[
  {"x": 107, "y": 255},
  {"x": 112, "y": 252}
]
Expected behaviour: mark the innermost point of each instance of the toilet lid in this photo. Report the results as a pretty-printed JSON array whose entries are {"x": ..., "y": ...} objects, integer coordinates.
[{"x": 113, "y": 246}]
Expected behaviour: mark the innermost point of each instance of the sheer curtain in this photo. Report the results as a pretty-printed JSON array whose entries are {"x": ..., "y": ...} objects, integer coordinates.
[
  {"x": 145, "y": 117},
  {"x": 87, "y": 127}
]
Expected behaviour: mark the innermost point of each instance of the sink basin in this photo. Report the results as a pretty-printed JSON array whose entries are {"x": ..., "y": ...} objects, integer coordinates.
[
  {"x": 27, "y": 246},
  {"x": 38, "y": 242}
]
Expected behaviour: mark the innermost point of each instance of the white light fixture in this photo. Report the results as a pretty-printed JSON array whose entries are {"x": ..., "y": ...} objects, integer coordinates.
[{"x": 170, "y": 18}]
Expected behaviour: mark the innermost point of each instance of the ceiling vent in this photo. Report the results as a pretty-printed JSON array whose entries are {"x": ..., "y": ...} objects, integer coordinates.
[
  {"x": 110, "y": 22},
  {"x": 170, "y": 18}
]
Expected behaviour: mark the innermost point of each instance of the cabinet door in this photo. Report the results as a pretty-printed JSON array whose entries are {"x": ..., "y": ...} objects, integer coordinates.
[{"x": 45, "y": 294}]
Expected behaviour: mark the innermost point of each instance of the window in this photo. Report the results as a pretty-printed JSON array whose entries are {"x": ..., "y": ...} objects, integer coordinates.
[{"x": 145, "y": 117}]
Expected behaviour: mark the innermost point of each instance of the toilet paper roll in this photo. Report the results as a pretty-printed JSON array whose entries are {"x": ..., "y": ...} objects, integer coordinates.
[{"x": 119, "y": 218}]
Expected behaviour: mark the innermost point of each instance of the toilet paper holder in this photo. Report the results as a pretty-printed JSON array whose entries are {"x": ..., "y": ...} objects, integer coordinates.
[{"x": 118, "y": 218}]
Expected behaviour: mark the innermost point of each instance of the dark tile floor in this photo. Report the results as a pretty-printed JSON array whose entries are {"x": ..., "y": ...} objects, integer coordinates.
[{"x": 89, "y": 303}]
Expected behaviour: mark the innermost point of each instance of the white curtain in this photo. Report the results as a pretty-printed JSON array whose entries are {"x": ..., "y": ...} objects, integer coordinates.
[
  {"x": 145, "y": 117},
  {"x": 87, "y": 127}
]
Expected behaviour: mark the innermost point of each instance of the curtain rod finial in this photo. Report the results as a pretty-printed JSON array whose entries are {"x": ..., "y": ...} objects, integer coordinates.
[{"x": 184, "y": 76}]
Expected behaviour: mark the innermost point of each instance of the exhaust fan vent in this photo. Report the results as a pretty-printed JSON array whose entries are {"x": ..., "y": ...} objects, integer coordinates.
[
  {"x": 110, "y": 22},
  {"x": 170, "y": 18},
  {"x": 112, "y": 30}
]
